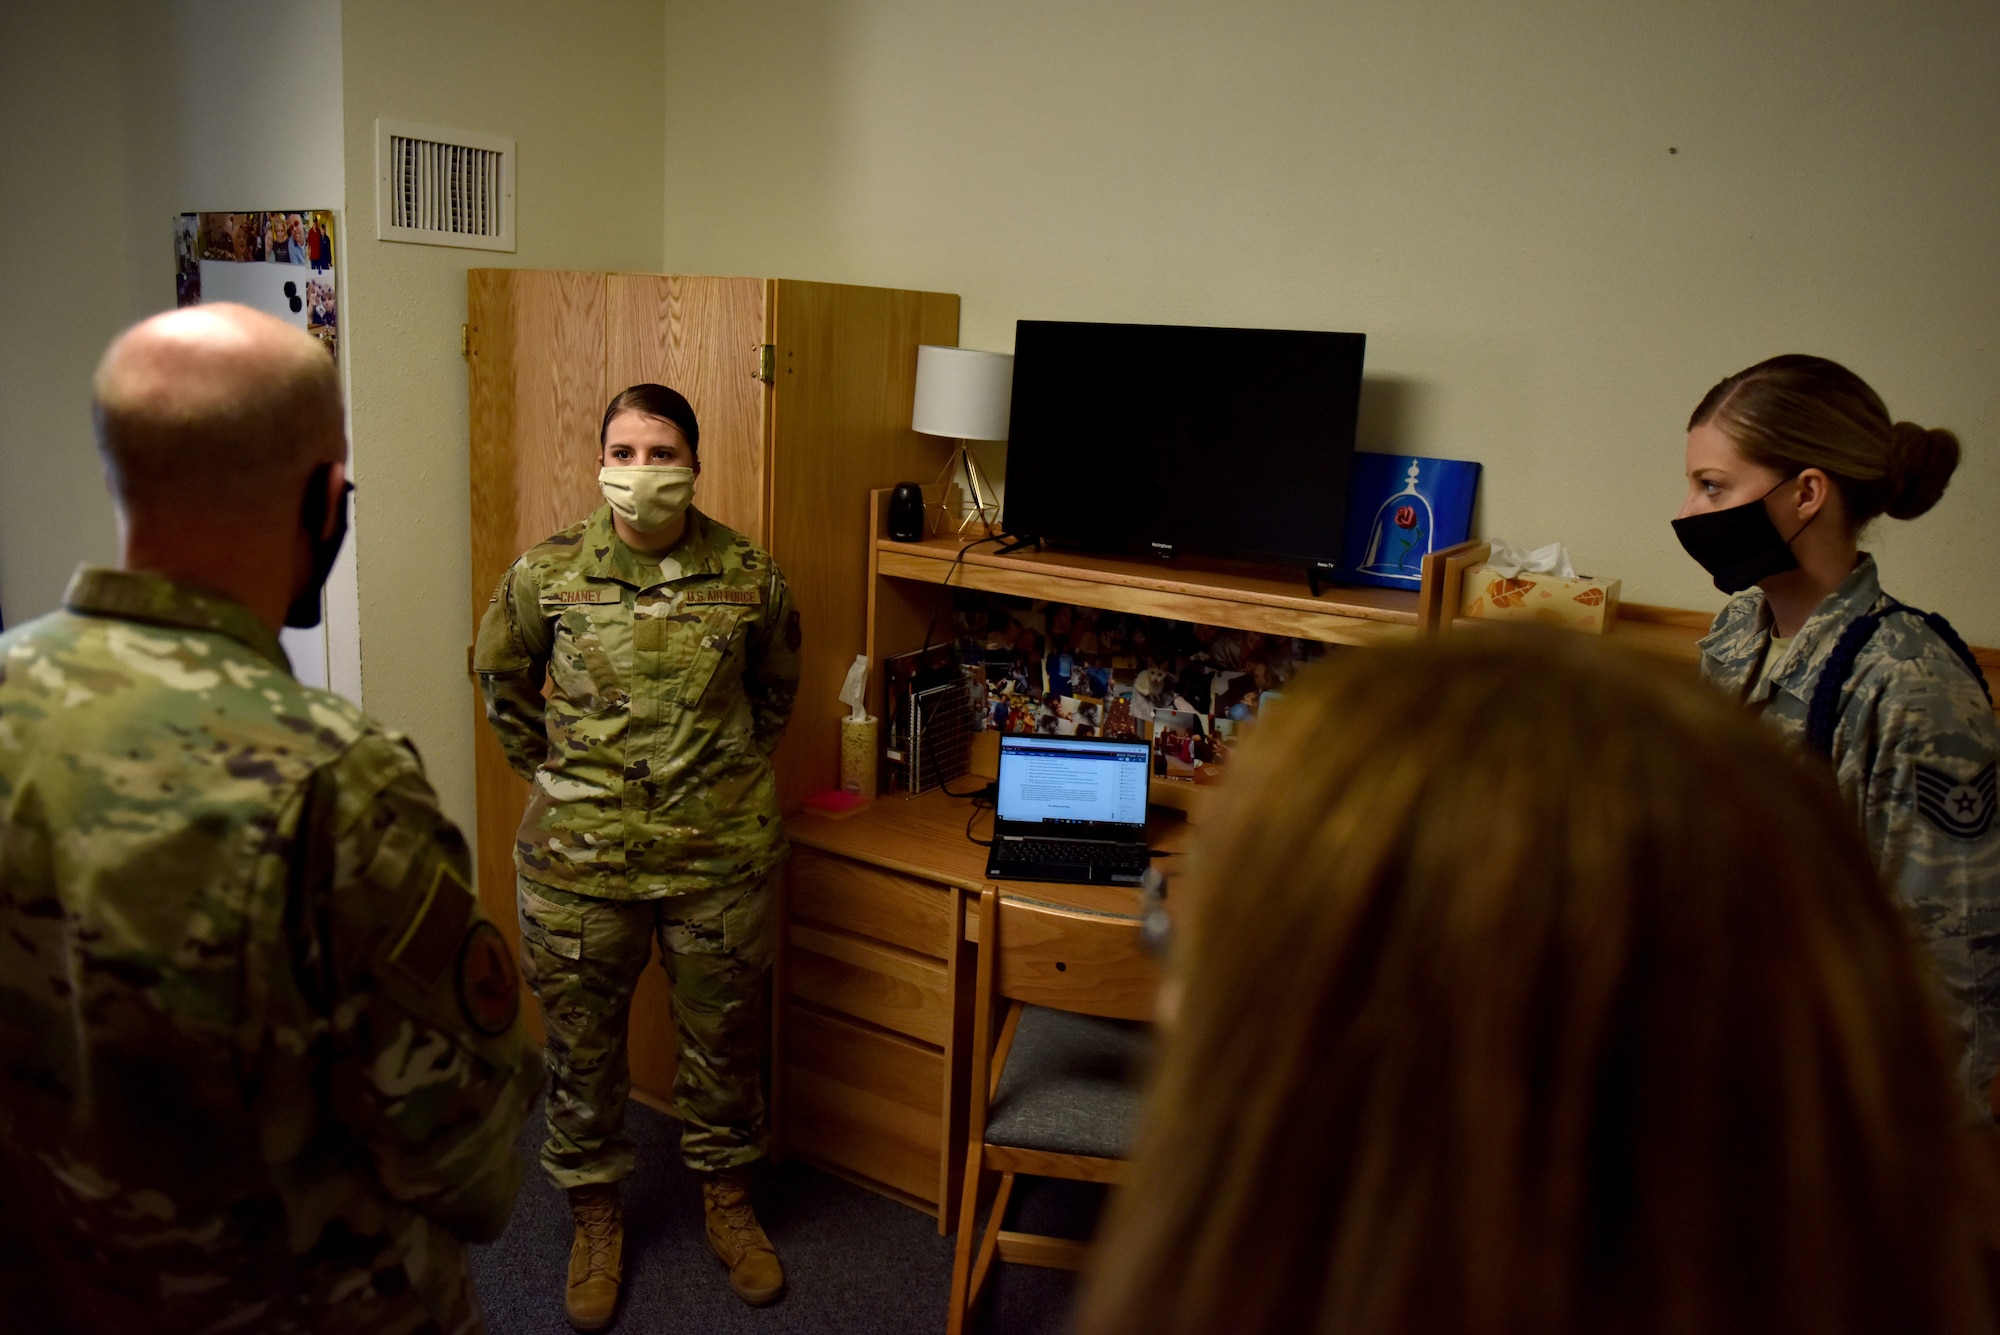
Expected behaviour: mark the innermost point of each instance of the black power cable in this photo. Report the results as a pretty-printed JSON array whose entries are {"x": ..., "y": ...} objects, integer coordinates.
[
  {"x": 944, "y": 589},
  {"x": 978, "y": 804}
]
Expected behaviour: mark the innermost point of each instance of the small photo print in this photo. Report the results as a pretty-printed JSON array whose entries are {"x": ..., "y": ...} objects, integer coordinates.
[
  {"x": 1085, "y": 714},
  {"x": 976, "y": 693},
  {"x": 1174, "y": 736},
  {"x": 1059, "y": 666},
  {"x": 1154, "y": 686},
  {"x": 285, "y": 238},
  {"x": 1213, "y": 757},
  {"x": 1030, "y": 677},
  {"x": 187, "y": 259},
  {"x": 1096, "y": 681},
  {"x": 321, "y": 313},
  {"x": 232, "y": 236},
  {"x": 1120, "y": 725},
  {"x": 319, "y": 239},
  {"x": 1195, "y": 688},
  {"x": 1235, "y": 696}
]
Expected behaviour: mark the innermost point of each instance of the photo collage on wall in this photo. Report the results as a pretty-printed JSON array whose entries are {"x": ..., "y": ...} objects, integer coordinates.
[
  {"x": 279, "y": 262},
  {"x": 1193, "y": 691}
]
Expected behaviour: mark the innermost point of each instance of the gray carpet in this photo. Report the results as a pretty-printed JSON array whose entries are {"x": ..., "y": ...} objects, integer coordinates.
[{"x": 854, "y": 1261}]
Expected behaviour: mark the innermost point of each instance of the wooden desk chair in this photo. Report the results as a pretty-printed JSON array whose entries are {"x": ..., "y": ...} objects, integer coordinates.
[{"x": 1054, "y": 1094}]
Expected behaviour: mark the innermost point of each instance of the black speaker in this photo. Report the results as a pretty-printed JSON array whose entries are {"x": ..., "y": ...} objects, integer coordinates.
[{"x": 906, "y": 512}]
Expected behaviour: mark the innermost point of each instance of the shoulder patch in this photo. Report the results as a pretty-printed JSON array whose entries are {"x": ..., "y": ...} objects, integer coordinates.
[
  {"x": 721, "y": 593},
  {"x": 1962, "y": 809},
  {"x": 426, "y": 946},
  {"x": 489, "y": 991},
  {"x": 586, "y": 596}
]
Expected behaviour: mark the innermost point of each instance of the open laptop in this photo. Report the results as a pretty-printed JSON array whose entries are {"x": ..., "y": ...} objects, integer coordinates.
[{"x": 1070, "y": 809}]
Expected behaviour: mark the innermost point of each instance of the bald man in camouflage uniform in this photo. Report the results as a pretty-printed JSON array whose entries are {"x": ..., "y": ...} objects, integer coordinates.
[
  {"x": 1915, "y": 747},
  {"x": 260, "y": 1061},
  {"x": 653, "y": 814}
]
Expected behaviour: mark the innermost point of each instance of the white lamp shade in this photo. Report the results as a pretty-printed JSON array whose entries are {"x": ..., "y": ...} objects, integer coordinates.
[{"x": 963, "y": 393}]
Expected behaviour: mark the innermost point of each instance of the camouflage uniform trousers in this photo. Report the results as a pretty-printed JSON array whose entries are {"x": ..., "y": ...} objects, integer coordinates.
[{"x": 583, "y": 958}]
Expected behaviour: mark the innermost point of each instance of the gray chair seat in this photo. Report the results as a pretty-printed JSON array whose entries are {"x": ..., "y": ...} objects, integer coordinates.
[{"x": 1071, "y": 1085}]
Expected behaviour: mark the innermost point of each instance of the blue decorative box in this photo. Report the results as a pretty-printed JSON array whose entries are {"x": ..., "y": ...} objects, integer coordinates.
[{"x": 1400, "y": 509}]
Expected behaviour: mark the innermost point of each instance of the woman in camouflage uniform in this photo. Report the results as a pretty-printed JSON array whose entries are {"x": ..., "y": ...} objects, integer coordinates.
[
  {"x": 671, "y": 645},
  {"x": 1787, "y": 462}
]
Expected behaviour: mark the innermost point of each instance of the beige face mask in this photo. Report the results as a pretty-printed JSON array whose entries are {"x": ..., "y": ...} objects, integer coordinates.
[{"x": 649, "y": 499}]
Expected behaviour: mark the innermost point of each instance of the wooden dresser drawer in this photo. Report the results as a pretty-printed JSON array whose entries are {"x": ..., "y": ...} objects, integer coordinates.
[
  {"x": 868, "y": 901},
  {"x": 883, "y": 984},
  {"x": 865, "y": 1101}
]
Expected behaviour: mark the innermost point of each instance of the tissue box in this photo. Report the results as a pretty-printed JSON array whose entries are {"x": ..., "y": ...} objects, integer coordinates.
[{"x": 1573, "y": 604}]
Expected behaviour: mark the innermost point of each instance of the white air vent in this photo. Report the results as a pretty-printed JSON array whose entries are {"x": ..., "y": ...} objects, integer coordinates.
[{"x": 443, "y": 187}]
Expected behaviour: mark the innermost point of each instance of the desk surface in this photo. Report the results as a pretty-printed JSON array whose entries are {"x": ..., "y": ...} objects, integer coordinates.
[{"x": 924, "y": 837}]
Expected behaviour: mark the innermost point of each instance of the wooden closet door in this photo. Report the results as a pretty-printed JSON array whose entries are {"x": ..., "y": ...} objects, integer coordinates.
[
  {"x": 535, "y": 355},
  {"x": 547, "y": 350},
  {"x": 845, "y": 376},
  {"x": 703, "y": 337}
]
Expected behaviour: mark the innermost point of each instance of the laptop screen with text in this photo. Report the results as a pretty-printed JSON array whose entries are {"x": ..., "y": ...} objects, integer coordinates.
[{"x": 1058, "y": 781}]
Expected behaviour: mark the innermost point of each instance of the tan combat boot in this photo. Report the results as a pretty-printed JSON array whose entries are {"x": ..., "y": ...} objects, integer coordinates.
[
  {"x": 596, "y": 1257},
  {"x": 737, "y": 1239}
]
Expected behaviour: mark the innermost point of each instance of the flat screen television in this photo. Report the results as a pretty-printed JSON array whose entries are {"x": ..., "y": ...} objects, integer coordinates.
[{"x": 1179, "y": 440}]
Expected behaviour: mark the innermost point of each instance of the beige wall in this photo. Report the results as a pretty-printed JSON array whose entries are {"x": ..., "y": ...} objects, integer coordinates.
[
  {"x": 579, "y": 89},
  {"x": 1486, "y": 190},
  {"x": 114, "y": 116},
  {"x": 74, "y": 269}
]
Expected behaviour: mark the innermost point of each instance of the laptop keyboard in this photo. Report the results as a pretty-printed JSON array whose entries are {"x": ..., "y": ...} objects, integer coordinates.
[{"x": 1116, "y": 857}]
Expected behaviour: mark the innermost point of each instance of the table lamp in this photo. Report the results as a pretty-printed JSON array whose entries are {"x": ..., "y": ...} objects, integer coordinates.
[{"x": 964, "y": 394}]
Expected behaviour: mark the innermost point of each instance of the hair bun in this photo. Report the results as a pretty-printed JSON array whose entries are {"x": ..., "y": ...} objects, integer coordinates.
[{"x": 1921, "y": 462}]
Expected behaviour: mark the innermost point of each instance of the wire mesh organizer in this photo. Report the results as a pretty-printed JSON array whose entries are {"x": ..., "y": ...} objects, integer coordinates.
[{"x": 937, "y": 728}]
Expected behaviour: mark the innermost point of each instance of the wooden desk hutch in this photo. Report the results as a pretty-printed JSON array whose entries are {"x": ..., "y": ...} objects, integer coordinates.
[{"x": 875, "y": 979}]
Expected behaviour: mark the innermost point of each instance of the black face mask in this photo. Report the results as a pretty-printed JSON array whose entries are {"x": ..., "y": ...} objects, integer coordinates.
[
  {"x": 304, "y": 612},
  {"x": 1740, "y": 545}
]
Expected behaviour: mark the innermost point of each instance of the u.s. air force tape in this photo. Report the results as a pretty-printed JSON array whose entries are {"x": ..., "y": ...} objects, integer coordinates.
[
  {"x": 721, "y": 593},
  {"x": 1961, "y": 808}
]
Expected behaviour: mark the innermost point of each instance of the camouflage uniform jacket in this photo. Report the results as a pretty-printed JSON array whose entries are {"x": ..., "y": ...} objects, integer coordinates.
[
  {"x": 1914, "y": 754},
  {"x": 650, "y": 758},
  {"x": 260, "y": 1063}
]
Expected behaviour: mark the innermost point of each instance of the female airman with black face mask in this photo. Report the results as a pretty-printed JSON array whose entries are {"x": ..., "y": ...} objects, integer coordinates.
[{"x": 1787, "y": 462}]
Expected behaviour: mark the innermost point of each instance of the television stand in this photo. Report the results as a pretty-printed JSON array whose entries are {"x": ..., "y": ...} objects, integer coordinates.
[
  {"x": 1017, "y": 544},
  {"x": 1238, "y": 595}
]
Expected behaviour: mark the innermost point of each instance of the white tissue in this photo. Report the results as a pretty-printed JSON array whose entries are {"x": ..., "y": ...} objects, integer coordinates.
[
  {"x": 1510, "y": 560},
  {"x": 854, "y": 690}
]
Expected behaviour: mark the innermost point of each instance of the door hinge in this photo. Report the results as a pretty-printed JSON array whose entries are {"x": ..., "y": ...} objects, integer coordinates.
[
  {"x": 763, "y": 362},
  {"x": 465, "y": 341}
]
